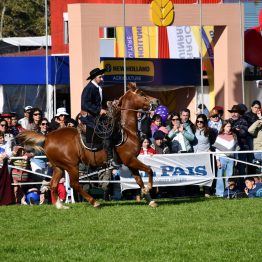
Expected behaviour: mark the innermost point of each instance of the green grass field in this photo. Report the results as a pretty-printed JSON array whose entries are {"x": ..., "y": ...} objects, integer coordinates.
[{"x": 178, "y": 230}]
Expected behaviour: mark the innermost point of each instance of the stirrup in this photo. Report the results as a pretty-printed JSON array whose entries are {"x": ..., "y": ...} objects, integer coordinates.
[{"x": 112, "y": 163}]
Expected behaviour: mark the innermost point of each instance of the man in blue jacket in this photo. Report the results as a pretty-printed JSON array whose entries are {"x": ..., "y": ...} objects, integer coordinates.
[{"x": 92, "y": 107}]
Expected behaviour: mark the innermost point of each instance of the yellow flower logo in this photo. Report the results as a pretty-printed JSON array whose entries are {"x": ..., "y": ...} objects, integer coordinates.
[{"x": 162, "y": 12}]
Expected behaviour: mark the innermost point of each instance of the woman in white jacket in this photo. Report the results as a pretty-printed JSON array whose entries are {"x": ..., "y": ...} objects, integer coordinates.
[{"x": 225, "y": 141}]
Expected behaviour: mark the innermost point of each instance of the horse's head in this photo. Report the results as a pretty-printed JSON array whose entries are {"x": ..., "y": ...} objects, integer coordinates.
[{"x": 139, "y": 99}]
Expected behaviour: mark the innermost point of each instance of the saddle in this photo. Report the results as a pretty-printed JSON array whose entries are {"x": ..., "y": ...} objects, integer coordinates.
[
  {"x": 95, "y": 143},
  {"x": 105, "y": 128}
]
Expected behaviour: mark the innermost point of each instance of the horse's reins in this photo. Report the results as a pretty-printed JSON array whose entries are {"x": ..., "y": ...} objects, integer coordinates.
[{"x": 135, "y": 110}]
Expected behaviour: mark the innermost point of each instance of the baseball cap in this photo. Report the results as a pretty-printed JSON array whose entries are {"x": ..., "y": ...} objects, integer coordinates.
[{"x": 28, "y": 108}]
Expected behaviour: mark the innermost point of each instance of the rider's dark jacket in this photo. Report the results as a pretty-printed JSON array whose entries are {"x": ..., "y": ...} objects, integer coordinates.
[{"x": 91, "y": 104}]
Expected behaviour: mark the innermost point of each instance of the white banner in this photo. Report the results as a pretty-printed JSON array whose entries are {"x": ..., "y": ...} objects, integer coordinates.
[
  {"x": 182, "y": 42},
  {"x": 172, "y": 170}
]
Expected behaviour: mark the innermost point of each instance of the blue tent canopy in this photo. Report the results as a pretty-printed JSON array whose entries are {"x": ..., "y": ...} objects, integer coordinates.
[{"x": 31, "y": 70}]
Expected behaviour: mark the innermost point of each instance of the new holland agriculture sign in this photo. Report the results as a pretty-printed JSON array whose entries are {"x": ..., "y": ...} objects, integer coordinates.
[{"x": 136, "y": 71}]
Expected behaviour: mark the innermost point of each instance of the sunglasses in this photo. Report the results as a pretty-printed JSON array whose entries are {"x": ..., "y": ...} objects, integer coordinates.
[
  {"x": 37, "y": 114},
  {"x": 3, "y": 125},
  {"x": 200, "y": 121},
  {"x": 62, "y": 115},
  {"x": 175, "y": 119},
  {"x": 214, "y": 116},
  {"x": 44, "y": 124}
]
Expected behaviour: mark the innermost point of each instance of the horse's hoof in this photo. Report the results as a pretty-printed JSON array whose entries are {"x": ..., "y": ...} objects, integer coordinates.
[
  {"x": 153, "y": 204},
  {"x": 97, "y": 205},
  {"x": 138, "y": 199},
  {"x": 65, "y": 207}
]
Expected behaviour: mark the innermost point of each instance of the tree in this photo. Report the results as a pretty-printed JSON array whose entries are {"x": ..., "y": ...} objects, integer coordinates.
[{"x": 22, "y": 18}]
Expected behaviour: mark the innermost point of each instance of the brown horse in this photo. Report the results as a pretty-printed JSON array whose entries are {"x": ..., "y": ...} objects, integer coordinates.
[{"x": 65, "y": 150}]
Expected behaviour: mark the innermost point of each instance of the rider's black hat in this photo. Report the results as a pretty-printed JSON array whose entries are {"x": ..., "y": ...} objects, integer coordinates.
[{"x": 95, "y": 72}]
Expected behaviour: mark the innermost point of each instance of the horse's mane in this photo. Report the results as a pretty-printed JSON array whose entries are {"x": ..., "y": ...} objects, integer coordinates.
[{"x": 131, "y": 86}]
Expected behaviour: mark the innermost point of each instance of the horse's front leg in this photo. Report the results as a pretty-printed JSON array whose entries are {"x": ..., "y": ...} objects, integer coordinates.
[{"x": 145, "y": 191}]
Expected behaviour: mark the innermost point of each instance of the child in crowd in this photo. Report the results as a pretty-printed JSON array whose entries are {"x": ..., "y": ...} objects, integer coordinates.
[
  {"x": 231, "y": 191},
  {"x": 146, "y": 149},
  {"x": 253, "y": 189},
  {"x": 156, "y": 123}
]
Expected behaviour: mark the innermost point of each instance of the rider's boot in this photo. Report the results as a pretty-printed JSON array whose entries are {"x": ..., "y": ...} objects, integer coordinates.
[{"x": 109, "y": 150}]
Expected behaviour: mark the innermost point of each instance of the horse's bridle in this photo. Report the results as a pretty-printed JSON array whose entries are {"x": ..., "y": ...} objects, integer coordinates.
[{"x": 139, "y": 110}]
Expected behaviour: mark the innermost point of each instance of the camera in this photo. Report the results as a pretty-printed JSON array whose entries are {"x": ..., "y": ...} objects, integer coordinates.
[{"x": 259, "y": 83}]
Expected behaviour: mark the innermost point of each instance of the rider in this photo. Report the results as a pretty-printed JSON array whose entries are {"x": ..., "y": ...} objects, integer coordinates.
[{"x": 91, "y": 108}]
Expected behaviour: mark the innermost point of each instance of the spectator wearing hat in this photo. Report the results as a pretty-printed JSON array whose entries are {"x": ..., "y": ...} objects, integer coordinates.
[
  {"x": 7, "y": 117},
  {"x": 240, "y": 128},
  {"x": 92, "y": 101},
  {"x": 215, "y": 122},
  {"x": 24, "y": 122},
  {"x": 220, "y": 110},
  {"x": 59, "y": 120},
  {"x": 158, "y": 144}
]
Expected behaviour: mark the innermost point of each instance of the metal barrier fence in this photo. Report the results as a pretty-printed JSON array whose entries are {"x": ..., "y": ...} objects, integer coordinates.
[{"x": 70, "y": 195}]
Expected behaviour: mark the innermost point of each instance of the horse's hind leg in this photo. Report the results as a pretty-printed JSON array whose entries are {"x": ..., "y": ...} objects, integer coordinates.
[
  {"x": 57, "y": 175},
  {"x": 74, "y": 183}
]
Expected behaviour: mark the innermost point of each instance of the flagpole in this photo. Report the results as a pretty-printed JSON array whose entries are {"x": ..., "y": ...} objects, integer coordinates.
[
  {"x": 201, "y": 59},
  {"x": 46, "y": 66},
  {"x": 242, "y": 53},
  {"x": 124, "y": 35}
]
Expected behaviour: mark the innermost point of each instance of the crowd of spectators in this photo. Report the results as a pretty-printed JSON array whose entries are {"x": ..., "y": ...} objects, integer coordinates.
[{"x": 176, "y": 135}]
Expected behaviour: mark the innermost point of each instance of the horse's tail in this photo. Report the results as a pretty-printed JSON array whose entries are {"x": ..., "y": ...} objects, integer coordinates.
[{"x": 31, "y": 141}]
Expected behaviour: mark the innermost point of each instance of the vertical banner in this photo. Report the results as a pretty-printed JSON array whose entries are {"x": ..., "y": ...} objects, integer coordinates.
[
  {"x": 119, "y": 42},
  {"x": 130, "y": 52},
  {"x": 182, "y": 43},
  {"x": 141, "y": 42}
]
